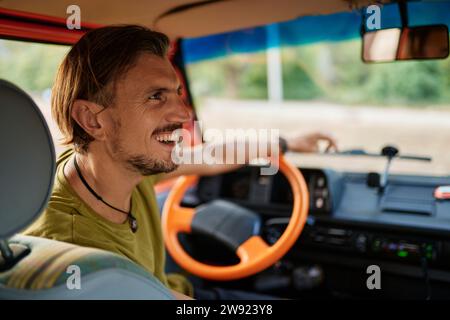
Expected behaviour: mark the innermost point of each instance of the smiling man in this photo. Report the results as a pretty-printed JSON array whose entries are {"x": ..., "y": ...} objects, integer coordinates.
[{"x": 117, "y": 101}]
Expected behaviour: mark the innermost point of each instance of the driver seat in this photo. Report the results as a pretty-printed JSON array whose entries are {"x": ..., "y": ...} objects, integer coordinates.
[{"x": 38, "y": 268}]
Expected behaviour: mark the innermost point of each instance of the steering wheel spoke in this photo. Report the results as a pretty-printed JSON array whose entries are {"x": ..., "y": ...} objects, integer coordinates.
[
  {"x": 182, "y": 219},
  {"x": 252, "y": 249}
]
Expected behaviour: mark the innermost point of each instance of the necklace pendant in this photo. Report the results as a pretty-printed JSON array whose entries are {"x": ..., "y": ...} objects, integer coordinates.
[{"x": 133, "y": 223}]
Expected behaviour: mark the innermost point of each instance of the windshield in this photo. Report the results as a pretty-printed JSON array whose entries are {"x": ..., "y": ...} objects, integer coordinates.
[{"x": 307, "y": 75}]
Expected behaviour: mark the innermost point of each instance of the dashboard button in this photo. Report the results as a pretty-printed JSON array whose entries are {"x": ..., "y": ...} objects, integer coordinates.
[
  {"x": 361, "y": 243},
  {"x": 319, "y": 203}
]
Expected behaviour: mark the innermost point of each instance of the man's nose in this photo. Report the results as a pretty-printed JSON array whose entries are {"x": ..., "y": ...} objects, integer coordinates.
[{"x": 180, "y": 112}]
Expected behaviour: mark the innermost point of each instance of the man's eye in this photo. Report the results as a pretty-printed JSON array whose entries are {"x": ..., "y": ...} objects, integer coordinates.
[
  {"x": 156, "y": 96},
  {"x": 180, "y": 91}
]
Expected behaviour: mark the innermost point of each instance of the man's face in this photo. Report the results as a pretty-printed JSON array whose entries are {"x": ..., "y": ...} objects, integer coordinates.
[{"x": 147, "y": 109}]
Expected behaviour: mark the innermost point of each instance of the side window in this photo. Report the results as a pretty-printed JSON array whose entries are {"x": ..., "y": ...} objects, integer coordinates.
[{"x": 32, "y": 67}]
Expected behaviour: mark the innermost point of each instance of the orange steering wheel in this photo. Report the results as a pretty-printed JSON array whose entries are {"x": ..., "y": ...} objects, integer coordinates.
[{"x": 254, "y": 253}]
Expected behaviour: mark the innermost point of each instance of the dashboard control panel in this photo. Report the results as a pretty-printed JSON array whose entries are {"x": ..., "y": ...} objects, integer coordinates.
[
  {"x": 368, "y": 244},
  {"x": 347, "y": 216},
  {"x": 267, "y": 193}
]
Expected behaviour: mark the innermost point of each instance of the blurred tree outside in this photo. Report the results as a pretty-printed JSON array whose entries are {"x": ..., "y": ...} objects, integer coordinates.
[
  {"x": 326, "y": 71},
  {"x": 329, "y": 71},
  {"x": 31, "y": 66}
]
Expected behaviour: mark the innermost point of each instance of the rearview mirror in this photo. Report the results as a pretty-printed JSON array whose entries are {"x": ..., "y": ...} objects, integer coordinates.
[{"x": 424, "y": 42}]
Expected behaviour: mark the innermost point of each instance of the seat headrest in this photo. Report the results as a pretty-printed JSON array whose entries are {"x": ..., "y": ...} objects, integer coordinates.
[{"x": 27, "y": 160}]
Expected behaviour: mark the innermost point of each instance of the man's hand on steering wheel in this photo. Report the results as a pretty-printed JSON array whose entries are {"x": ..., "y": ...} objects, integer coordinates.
[{"x": 311, "y": 142}]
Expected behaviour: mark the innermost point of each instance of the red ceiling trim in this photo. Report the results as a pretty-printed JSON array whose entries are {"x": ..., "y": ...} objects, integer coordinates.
[{"x": 36, "y": 27}]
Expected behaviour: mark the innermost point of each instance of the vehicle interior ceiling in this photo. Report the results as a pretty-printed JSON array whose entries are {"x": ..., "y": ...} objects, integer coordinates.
[
  {"x": 356, "y": 219},
  {"x": 188, "y": 18}
]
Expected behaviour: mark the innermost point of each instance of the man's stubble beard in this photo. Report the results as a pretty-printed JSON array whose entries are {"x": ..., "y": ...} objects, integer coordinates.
[
  {"x": 142, "y": 164},
  {"x": 147, "y": 166}
]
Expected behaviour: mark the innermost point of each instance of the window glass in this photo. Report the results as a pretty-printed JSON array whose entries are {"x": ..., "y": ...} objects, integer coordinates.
[
  {"x": 32, "y": 67},
  {"x": 320, "y": 83}
]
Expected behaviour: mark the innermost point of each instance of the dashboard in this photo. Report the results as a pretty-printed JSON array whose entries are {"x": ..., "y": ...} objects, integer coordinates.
[
  {"x": 268, "y": 194},
  {"x": 352, "y": 223}
]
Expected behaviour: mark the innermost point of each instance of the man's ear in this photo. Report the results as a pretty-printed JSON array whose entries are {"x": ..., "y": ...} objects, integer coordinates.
[{"x": 85, "y": 114}]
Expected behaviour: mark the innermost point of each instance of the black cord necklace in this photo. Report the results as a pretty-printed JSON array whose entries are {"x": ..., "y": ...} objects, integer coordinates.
[{"x": 131, "y": 219}]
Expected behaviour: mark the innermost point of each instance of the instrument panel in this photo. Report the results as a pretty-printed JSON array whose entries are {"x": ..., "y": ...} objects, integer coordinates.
[{"x": 268, "y": 194}]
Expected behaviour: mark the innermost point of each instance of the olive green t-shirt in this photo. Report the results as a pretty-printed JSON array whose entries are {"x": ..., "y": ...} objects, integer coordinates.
[{"x": 68, "y": 218}]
